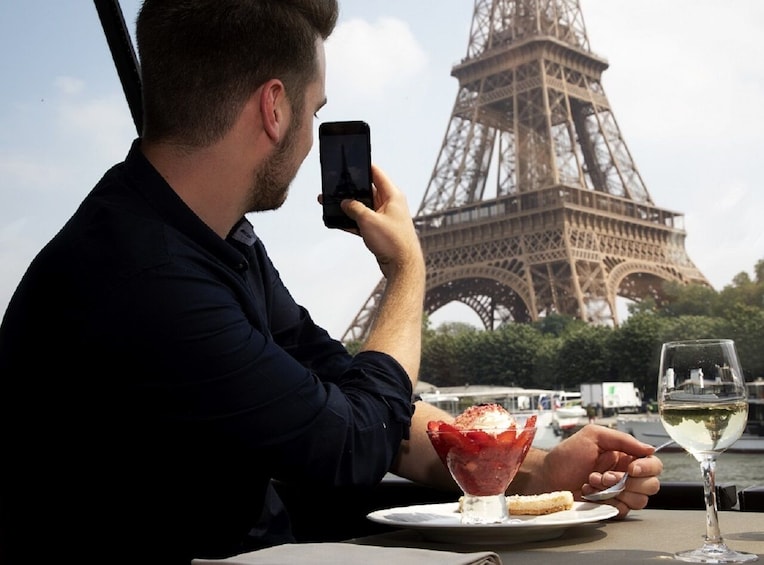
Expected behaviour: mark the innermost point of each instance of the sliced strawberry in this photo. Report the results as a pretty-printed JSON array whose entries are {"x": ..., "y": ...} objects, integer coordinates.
[
  {"x": 444, "y": 437},
  {"x": 478, "y": 438},
  {"x": 508, "y": 436},
  {"x": 529, "y": 431}
]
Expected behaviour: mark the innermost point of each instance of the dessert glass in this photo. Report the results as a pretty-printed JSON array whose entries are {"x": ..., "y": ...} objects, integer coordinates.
[{"x": 483, "y": 463}]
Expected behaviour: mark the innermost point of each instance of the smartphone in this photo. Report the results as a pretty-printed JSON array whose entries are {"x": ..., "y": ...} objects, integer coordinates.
[{"x": 345, "y": 153}]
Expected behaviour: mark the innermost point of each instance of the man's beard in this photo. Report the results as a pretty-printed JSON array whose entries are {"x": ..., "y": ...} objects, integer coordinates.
[{"x": 276, "y": 174}]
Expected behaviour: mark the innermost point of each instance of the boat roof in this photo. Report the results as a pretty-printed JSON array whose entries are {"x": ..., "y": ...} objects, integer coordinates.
[{"x": 473, "y": 391}]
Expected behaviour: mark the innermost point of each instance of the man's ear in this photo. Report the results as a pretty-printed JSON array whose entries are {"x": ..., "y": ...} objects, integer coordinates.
[{"x": 274, "y": 109}]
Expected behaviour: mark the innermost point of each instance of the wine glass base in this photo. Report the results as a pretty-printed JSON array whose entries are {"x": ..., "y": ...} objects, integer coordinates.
[{"x": 715, "y": 553}]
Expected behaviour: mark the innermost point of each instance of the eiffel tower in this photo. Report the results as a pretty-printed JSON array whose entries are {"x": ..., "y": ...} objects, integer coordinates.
[{"x": 562, "y": 223}]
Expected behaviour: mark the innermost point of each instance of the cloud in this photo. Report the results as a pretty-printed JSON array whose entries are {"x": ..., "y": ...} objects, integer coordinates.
[
  {"x": 368, "y": 59},
  {"x": 683, "y": 75},
  {"x": 102, "y": 125},
  {"x": 81, "y": 137},
  {"x": 69, "y": 85},
  {"x": 733, "y": 196},
  {"x": 23, "y": 172}
]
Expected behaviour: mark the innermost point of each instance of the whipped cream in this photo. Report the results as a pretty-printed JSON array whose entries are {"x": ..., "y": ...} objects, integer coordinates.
[{"x": 487, "y": 417}]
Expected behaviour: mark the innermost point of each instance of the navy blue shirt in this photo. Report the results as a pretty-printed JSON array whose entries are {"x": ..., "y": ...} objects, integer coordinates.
[{"x": 154, "y": 378}]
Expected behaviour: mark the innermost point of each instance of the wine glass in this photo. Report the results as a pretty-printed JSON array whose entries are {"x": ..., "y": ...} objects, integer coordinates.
[{"x": 703, "y": 406}]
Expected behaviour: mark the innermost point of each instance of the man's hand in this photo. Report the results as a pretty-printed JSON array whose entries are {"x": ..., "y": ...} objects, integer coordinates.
[
  {"x": 388, "y": 230},
  {"x": 592, "y": 459}
]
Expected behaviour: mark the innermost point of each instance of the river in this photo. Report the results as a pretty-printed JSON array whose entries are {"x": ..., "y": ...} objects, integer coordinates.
[{"x": 740, "y": 469}]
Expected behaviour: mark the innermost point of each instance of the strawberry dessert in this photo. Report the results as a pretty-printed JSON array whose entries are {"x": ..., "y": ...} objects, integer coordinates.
[{"x": 483, "y": 448}]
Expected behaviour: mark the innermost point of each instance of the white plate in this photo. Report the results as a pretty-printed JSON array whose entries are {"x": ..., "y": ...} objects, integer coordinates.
[{"x": 442, "y": 522}]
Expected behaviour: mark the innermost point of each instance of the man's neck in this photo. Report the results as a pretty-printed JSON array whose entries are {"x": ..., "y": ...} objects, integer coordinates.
[{"x": 209, "y": 180}]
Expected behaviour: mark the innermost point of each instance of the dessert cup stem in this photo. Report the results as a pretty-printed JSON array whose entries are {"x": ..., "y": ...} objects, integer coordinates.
[{"x": 484, "y": 509}]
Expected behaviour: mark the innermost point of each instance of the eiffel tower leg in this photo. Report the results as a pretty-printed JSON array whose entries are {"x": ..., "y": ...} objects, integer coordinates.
[
  {"x": 576, "y": 283},
  {"x": 597, "y": 305},
  {"x": 361, "y": 325}
]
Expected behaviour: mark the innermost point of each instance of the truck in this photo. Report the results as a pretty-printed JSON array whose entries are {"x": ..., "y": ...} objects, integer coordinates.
[{"x": 612, "y": 397}]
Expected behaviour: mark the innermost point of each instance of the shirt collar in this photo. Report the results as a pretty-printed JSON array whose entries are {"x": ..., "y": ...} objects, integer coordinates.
[{"x": 173, "y": 211}]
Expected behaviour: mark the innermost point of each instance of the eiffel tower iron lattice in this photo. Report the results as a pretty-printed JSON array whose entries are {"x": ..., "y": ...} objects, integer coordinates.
[{"x": 562, "y": 222}]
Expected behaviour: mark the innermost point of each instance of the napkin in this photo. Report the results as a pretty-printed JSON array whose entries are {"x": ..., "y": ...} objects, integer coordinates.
[{"x": 351, "y": 554}]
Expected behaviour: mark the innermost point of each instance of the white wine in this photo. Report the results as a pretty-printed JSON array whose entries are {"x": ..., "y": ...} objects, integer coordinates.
[{"x": 705, "y": 427}]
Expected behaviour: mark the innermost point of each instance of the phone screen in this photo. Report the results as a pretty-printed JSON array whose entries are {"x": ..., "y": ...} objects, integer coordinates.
[{"x": 345, "y": 152}]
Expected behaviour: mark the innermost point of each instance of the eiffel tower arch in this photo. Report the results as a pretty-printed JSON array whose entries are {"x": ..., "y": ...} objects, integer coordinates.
[{"x": 535, "y": 205}]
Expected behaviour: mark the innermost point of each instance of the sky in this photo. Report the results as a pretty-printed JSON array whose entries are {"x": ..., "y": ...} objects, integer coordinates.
[{"x": 686, "y": 85}]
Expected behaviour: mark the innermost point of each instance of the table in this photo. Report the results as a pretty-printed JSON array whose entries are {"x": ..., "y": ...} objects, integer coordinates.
[{"x": 645, "y": 536}]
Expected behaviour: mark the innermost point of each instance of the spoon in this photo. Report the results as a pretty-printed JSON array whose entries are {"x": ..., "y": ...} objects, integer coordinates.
[{"x": 617, "y": 488}]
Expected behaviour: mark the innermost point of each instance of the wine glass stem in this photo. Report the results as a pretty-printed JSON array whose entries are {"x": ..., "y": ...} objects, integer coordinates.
[{"x": 708, "y": 470}]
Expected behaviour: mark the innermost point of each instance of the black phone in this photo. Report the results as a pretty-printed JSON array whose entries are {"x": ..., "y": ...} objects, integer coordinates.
[{"x": 345, "y": 153}]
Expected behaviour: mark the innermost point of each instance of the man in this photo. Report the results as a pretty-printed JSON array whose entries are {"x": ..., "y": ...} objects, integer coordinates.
[{"x": 155, "y": 373}]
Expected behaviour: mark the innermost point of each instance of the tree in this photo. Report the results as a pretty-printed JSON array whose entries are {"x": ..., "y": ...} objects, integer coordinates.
[
  {"x": 517, "y": 346},
  {"x": 442, "y": 354},
  {"x": 546, "y": 374},
  {"x": 635, "y": 351},
  {"x": 556, "y": 324},
  {"x": 584, "y": 356},
  {"x": 742, "y": 291},
  {"x": 692, "y": 327},
  {"x": 688, "y": 300},
  {"x": 745, "y": 325}
]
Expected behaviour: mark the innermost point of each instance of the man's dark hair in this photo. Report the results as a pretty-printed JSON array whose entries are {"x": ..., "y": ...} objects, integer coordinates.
[{"x": 202, "y": 59}]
